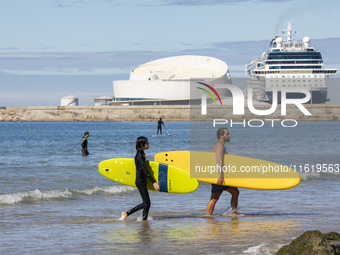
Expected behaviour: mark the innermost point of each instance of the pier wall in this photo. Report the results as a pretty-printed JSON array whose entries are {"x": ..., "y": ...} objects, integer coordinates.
[{"x": 324, "y": 112}]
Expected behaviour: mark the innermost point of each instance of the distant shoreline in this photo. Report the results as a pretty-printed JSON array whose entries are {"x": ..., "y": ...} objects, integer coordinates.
[{"x": 320, "y": 112}]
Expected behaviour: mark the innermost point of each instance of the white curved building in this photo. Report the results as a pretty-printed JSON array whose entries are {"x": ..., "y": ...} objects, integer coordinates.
[{"x": 168, "y": 79}]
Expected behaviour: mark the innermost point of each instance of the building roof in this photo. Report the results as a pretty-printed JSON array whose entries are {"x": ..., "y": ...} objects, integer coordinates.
[{"x": 180, "y": 67}]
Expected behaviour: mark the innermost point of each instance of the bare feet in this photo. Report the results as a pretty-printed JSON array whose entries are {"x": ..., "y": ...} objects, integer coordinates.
[
  {"x": 234, "y": 211},
  {"x": 124, "y": 216},
  {"x": 235, "y": 214}
]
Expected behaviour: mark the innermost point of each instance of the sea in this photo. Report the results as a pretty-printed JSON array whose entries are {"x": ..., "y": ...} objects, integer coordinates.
[{"x": 53, "y": 200}]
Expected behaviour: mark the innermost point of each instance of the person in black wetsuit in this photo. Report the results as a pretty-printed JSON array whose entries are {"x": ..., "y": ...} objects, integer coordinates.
[
  {"x": 142, "y": 144},
  {"x": 84, "y": 144},
  {"x": 159, "y": 127}
]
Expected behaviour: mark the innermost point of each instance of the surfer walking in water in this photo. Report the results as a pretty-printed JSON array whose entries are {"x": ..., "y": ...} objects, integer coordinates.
[
  {"x": 84, "y": 144},
  {"x": 159, "y": 127},
  {"x": 142, "y": 144},
  {"x": 223, "y": 136}
]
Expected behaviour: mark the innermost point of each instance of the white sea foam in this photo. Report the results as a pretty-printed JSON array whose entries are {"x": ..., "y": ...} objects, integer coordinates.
[
  {"x": 37, "y": 194},
  {"x": 108, "y": 189},
  {"x": 140, "y": 218},
  {"x": 305, "y": 176},
  {"x": 261, "y": 249},
  {"x": 11, "y": 198},
  {"x": 316, "y": 175},
  {"x": 65, "y": 193},
  {"x": 227, "y": 212}
]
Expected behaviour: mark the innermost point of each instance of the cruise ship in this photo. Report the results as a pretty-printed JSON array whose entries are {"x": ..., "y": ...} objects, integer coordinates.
[{"x": 289, "y": 64}]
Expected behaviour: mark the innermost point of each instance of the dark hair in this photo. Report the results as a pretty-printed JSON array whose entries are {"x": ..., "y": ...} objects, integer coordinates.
[
  {"x": 220, "y": 132},
  {"x": 140, "y": 142},
  {"x": 86, "y": 133}
]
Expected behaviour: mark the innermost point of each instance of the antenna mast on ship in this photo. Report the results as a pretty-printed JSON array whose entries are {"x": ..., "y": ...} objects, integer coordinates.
[{"x": 289, "y": 32}]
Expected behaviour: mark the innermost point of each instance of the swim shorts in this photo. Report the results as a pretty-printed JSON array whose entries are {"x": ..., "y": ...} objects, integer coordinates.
[{"x": 218, "y": 188}]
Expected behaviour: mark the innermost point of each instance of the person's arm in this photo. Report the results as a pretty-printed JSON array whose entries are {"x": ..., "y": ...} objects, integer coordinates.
[
  {"x": 82, "y": 143},
  {"x": 140, "y": 161},
  {"x": 156, "y": 186},
  {"x": 220, "y": 164},
  {"x": 154, "y": 183}
]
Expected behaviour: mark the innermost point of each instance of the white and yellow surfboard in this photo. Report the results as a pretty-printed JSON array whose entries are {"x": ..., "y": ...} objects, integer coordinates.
[
  {"x": 242, "y": 172},
  {"x": 171, "y": 179}
]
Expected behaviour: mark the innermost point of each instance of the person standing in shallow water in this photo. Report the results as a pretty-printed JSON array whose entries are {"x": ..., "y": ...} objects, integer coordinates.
[
  {"x": 142, "y": 144},
  {"x": 84, "y": 144},
  {"x": 223, "y": 137}
]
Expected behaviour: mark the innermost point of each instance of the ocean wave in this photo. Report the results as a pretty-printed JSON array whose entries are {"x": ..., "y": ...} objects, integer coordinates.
[
  {"x": 109, "y": 189},
  {"x": 64, "y": 193},
  {"x": 317, "y": 175}
]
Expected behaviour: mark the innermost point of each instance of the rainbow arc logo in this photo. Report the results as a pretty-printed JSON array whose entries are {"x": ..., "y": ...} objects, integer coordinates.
[{"x": 209, "y": 93}]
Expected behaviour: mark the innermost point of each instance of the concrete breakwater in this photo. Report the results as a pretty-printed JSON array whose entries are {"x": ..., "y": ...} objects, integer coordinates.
[
  {"x": 94, "y": 113},
  {"x": 167, "y": 112}
]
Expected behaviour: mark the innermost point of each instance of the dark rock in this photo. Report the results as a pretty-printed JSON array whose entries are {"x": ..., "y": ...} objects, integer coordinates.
[
  {"x": 313, "y": 243},
  {"x": 333, "y": 236}
]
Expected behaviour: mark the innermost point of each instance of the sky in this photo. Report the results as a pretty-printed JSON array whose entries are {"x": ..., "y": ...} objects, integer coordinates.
[{"x": 54, "y": 48}]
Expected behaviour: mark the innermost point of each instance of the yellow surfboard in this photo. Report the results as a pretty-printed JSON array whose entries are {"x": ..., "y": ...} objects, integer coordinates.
[
  {"x": 242, "y": 172},
  {"x": 171, "y": 179}
]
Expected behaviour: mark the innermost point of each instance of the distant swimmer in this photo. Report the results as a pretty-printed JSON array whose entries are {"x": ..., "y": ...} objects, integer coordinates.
[
  {"x": 142, "y": 144},
  {"x": 223, "y": 136},
  {"x": 84, "y": 144},
  {"x": 159, "y": 127}
]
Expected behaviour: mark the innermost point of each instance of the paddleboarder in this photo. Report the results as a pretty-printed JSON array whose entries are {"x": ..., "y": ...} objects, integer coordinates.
[
  {"x": 142, "y": 144},
  {"x": 223, "y": 136},
  {"x": 159, "y": 127}
]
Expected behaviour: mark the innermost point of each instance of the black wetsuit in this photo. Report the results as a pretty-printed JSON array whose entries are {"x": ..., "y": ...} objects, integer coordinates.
[
  {"x": 141, "y": 172},
  {"x": 159, "y": 127},
  {"x": 84, "y": 147}
]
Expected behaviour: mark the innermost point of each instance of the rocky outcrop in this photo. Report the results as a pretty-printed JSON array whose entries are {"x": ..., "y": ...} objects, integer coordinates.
[{"x": 313, "y": 243}]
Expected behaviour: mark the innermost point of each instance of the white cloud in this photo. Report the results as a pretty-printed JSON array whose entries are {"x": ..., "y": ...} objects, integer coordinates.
[
  {"x": 235, "y": 54},
  {"x": 28, "y": 55},
  {"x": 66, "y": 71},
  {"x": 209, "y": 2}
]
